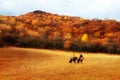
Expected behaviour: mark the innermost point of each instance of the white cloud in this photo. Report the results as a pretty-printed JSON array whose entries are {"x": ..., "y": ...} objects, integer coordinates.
[{"x": 83, "y": 8}]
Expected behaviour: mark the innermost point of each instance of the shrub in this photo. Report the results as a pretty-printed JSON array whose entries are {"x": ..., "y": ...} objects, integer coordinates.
[
  {"x": 118, "y": 50},
  {"x": 30, "y": 42},
  {"x": 55, "y": 44},
  {"x": 84, "y": 46},
  {"x": 1, "y": 43},
  {"x": 111, "y": 48},
  {"x": 9, "y": 37}
]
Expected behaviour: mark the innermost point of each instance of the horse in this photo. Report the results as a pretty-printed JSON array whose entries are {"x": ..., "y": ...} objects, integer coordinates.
[
  {"x": 80, "y": 59},
  {"x": 73, "y": 59}
]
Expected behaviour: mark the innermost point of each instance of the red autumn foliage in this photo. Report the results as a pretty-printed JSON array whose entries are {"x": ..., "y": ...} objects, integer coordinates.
[{"x": 46, "y": 25}]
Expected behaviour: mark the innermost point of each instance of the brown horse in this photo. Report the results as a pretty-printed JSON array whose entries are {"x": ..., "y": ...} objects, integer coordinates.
[
  {"x": 80, "y": 59},
  {"x": 74, "y": 59}
]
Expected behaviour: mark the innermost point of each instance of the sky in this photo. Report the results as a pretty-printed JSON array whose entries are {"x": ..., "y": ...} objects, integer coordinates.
[{"x": 90, "y": 9}]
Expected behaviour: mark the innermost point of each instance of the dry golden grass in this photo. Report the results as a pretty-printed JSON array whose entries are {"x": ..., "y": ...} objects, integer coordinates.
[{"x": 39, "y": 64}]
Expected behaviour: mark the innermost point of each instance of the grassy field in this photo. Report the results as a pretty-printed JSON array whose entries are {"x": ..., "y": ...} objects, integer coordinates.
[{"x": 39, "y": 64}]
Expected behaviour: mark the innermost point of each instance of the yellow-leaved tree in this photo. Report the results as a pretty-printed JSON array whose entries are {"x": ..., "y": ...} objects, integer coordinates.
[{"x": 84, "y": 38}]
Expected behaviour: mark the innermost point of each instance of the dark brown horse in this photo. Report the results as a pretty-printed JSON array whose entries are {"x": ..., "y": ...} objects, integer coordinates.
[
  {"x": 80, "y": 59},
  {"x": 74, "y": 59}
]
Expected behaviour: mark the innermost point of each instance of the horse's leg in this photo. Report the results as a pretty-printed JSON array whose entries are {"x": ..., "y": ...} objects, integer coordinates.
[
  {"x": 70, "y": 61},
  {"x": 81, "y": 61},
  {"x": 78, "y": 60},
  {"x": 74, "y": 60}
]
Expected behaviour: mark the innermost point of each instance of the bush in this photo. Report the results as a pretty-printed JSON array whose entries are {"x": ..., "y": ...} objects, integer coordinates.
[
  {"x": 84, "y": 46},
  {"x": 55, "y": 44},
  {"x": 94, "y": 47},
  {"x": 112, "y": 48},
  {"x": 118, "y": 50},
  {"x": 9, "y": 37},
  {"x": 29, "y": 42},
  {"x": 40, "y": 43},
  {"x": 1, "y": 43}
]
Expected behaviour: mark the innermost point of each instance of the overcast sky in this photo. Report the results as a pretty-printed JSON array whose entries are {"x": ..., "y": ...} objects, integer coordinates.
[{"x": 83, "y": 8}]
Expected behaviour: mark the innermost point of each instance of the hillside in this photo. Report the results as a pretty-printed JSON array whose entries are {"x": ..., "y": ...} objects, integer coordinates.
[{"x": 45, "y": 30}]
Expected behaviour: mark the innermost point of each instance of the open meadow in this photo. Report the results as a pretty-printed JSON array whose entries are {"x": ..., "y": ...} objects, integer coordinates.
[{"x": 40, "y": 64}]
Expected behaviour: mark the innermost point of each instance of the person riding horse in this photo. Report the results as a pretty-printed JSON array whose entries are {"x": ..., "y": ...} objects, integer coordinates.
[
  {"x": 80, "y": 59},
  {"x": 73, "y": 59}
]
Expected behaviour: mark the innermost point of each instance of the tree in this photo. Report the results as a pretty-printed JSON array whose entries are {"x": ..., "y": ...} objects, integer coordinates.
[{"x": 84, "y": 38}]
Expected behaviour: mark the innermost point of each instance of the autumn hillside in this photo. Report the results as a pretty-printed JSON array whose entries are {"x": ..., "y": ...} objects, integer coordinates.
[{"x": 45, "y": 30}]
